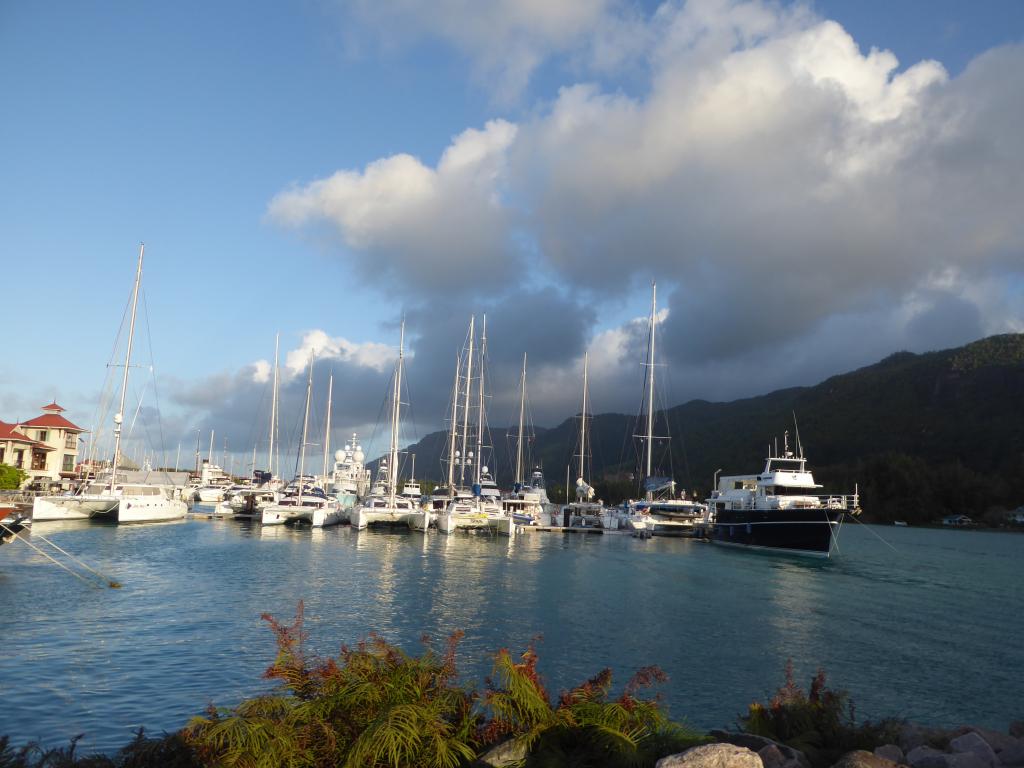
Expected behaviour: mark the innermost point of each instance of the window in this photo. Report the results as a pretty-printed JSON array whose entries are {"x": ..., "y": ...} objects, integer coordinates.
[
  {"x": 2, "y": 455},
  {"x": 43, "y": 434},
  {"x": 19, "y": 458},
  {"x": 38, "y": 460},
  {"x": 71, "y": 441},
  {"x": 69, "y": 463}
]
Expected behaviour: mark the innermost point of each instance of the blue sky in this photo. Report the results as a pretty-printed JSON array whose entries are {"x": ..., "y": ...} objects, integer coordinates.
[{"x": 181, "y": 124}]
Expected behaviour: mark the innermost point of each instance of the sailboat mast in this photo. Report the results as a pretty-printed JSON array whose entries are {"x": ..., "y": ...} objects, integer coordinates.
[
  {"x": 396, "y": 405},
  {"x": 119, "y": 416},
  {"x": 305, "y": 423},
  {"x": 465, "y": 405},
  {"x": 522, "y": 415},
  {"x": 273, "y": 411},
  {"x": 327, "y": 427},
  {"x": 650, "y": 383},
  {"x": 209, "y": 454},
  {"x": 583, "y": 419},
  {"x": 480, "y": 407},
  {"x": 454, "y": 429},
  {"x": 253, "y": 473}
]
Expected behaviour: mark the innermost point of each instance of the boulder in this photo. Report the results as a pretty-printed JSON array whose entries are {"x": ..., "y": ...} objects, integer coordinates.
[
  {"x": 974, "y": 744},
  {"x": 913, "y": 735},
  {"x": 926, "y": 757},
  {"x": 1013, "y": 754},
  {"x": 511, "y": 752},
  {"x": 771, "y": 756},
  {"x": 1017, "y": 729},
  {"x": 862, "y": 759},
  {"x": 998, "y": 741},
  {"x": 712, "y": 756},
  {"x": 890, "y": 752},
  {"x": 757, "y": 743}
]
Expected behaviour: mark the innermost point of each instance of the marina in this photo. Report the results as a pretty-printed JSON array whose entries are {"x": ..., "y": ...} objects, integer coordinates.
[{"x": 876, "y": 620}]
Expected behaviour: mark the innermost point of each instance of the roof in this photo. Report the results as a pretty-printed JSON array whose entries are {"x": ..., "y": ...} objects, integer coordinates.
[
  {"x": 52, "y": 407},
  {"x": 53, "y": 421},
  {"x": 10, "y": 432}
]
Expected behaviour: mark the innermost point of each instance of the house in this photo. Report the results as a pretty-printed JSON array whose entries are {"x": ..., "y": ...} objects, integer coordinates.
[{"x": 45, "y": 447}]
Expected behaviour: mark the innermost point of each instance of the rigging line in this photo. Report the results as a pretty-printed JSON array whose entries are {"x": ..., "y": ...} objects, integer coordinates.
[
  {"x": 51, "y": 558},
  {"x": 876, "y": 535},
  {"x": 113, "y": 584}
]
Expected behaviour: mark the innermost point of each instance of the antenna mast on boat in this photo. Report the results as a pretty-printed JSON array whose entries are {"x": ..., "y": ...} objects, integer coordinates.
[
  {"x": 465, "y": 404},
  {"x": 454, "y": 428},
  {"x": 650, "y": 384},
  {"x": 396, "y": 404},
  {"x": 480, "y": 408},
  {"x": 305, "y": 423},
  {"x": 327, "y": 426},
  {"x": 209, "y": 454},
  {"x": 119, "y": 416},
  {"x": 273, "y": 410},
  {"x": 522, "y": 414}
]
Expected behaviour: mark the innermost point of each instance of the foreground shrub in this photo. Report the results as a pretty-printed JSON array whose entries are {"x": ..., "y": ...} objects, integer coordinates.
[
  {"x": 168, "y": 752},
  {"x": 375, "y": 705},
  {"x": 820, "y": 723}
]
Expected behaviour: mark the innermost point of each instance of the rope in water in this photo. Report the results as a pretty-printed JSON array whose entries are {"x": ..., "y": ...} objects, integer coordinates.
[
  {"x": 110, "y": 582},
  {"x": 55, "y": 561},
  {"x": 873, "y": 533}
]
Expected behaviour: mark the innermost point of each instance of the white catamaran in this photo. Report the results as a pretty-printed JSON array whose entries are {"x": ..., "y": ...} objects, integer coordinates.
[{"x": 122, "y": 497}]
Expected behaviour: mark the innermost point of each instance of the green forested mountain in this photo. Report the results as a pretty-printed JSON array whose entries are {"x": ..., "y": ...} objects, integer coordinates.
[{"x": 922, "y": 435}]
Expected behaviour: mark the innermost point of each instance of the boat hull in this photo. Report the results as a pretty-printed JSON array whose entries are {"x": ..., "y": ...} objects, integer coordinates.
[
  {"x": 809, "y": 532},
  {"x": 72, "y": 507},
  {"x": 147, "y": 509}
]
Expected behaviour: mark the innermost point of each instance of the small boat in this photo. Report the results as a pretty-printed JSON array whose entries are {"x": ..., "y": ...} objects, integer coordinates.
[
  {"x": 12, "y": 522},
  {"x": 900, "y": 523}
]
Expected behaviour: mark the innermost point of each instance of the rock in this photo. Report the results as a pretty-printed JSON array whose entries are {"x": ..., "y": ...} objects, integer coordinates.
[
  {"x": 890, "y": 752},
  {"x": 974, "y": 744},
  {"x": 1013, "y": 754},
  {"x": 926, "y": 757},
  {"x": 913, "y": 735},
  {"x": 998, "y": 741},
  {"x": 757, "y": 743},
  {"x": 771, "y": 756},
  {"x": 862, "y": 759},
  {"x": 1017, "y": 729},
  {"x": 712, "y": 756},
  {"x": 506, "y": 753}
]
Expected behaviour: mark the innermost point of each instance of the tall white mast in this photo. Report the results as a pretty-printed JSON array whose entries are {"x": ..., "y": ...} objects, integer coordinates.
[
  {"x": 480, "y": 407},
  {"x": 454, "y": 428},
  {"x": 327, "y": 427},
  {"x": 119, "y": 416},
  {"x": 396, "y": 405},
  {"x": 522, "y": 415},
  {"x": 253, "y": 469},
  {"x": 305, "y": 423},
  {"x": 583, "y": 420},
  {"x": 273, "y": 411},
  {"x": 650, "y": 383},
  {"x": 209, "y": 454},
  {"x": 465, "y": 405}
]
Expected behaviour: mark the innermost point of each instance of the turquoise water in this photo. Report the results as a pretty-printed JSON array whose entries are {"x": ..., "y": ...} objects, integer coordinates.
[{"x": 931, "y": 631}]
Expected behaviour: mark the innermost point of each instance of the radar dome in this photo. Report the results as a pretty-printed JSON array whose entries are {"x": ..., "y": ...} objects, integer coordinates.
[
  {"x": 358, "y": 456},
  {"x": 339, "y": 455}
]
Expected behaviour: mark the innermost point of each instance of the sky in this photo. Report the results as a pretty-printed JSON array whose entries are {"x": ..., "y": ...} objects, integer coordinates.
[{"x": 813, "y": 186}]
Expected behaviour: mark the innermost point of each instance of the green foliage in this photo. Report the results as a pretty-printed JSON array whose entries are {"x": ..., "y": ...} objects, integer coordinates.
[
  {"x": 375, "y": 705},
  {"x": 820, "y": 723},
  {"x": 11, "y": 478}
]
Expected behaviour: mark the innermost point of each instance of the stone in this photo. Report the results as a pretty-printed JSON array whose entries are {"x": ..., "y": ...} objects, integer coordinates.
[
  {"x": 771, "y": 756},
  {"x": 972, "y": 743},
  {"x": 712, "y": 756},
  {"x": 926, "y": 757},
  {"x": 507, "y": 753},
  {"x": 998, "y": 741},
  {"x": 890, "y": 752},
  {"x": 913, "y": 735},
  {"x": 1017, "y": 729},
  {"x": 1013, "y": 754},
  {"x": 863, "y": 759},
  {"x": 757, "y": 743}
]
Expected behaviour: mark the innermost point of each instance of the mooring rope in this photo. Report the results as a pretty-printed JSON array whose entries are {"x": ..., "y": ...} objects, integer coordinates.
[
  {"x": 113, "y": 584},
  {"x": 110, "y": 583},
  {"x": 873, "y": 533}
]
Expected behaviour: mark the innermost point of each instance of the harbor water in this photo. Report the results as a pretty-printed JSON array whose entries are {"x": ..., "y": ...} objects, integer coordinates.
[{"x": 925, "y": 625}]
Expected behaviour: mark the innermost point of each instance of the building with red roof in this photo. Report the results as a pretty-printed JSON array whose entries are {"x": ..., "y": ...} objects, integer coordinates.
[{"x": 45, "y": 447}]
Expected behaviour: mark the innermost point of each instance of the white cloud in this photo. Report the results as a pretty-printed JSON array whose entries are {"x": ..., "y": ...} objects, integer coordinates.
[
  {"x": 409, "y": 226},
  {"x": 369, "y": 354}
]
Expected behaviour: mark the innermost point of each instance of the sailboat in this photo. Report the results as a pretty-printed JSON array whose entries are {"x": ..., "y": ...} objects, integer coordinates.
[
  {"x": 303, "y": 501},
  {"x": 384, "y": 505},
  {"x": 477, "y": 505},
  {"x": 123, "y": 497},
  {"x": 660, "y": 512},
  {"x": 584, "y": 512},
  {"x": 528, "y": 503}
]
